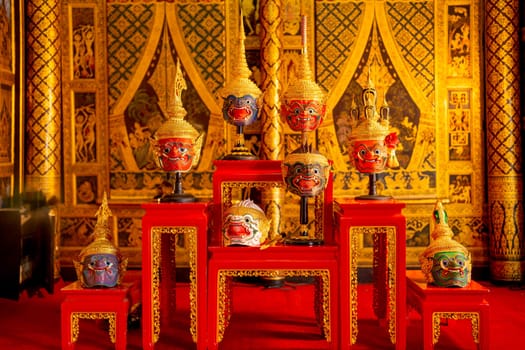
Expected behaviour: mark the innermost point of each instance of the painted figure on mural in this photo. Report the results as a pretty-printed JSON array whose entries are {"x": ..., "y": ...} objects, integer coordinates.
[
  {"x": 143, "y": 118},
  {"x": 445, "y": 262},
  {"x": 245, "y": 224},
  {"x": 83, "y": 52}
]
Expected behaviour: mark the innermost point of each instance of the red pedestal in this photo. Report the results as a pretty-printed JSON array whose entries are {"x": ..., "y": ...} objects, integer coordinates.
[
  {"x": 384, "y": 221},
  {"x": 436, "y": 303},
  {"x": 95, "y": 303},
  {"x": 224, "y": 263},
  {"x": 276, "y": 262},
  {"x": 164, "y": 219}
]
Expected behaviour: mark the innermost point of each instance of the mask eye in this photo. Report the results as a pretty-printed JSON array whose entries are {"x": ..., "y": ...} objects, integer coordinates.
[
  {"x": 167, "y": 149},
  {"x": 362, "y": 152},
  {"x": 460, "y": 261},
  {"x": 444, "y": 263},
  {"x": 377, "y": 152}
]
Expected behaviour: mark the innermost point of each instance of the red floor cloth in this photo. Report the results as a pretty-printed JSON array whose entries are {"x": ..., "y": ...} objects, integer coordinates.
[{"x": 265, "y": 319}]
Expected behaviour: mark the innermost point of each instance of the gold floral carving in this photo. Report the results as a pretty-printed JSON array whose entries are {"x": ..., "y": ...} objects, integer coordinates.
[
  {"x": 76, "y": 316},
  {"x": 381, "y": 234},
  {"x": 223, "y": 293},
  {"x": 191, "y": 233},
  {"x": 472, "y": 316}
]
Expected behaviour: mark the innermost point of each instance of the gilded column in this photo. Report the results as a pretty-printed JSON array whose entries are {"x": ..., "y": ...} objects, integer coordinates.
[
  {"x": 271, "y": 55},
  {"x": 43, "y": 118},
  {"x": 270, "y": 14},
  {"x": 504, "y": 153}
]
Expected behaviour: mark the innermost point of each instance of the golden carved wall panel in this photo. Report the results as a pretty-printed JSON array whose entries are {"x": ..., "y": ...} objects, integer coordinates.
[
  {"x": 85, "y": 101},
  {"x": 423, "y": 56},
  {"x": 9, "y": 53}
]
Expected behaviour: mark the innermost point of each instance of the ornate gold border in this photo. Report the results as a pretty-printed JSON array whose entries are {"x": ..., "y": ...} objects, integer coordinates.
[
  {"x": 191, "y": 233},
  {"x": 472, "y": 316},
  {"x": 223, "y": 300},
  {"x": 76, "y": 316},
  {"x": 389, "y": 233}
]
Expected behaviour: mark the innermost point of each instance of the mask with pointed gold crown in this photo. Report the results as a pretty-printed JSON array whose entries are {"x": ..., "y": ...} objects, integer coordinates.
[
  {"x": 371, "y": 144},
  {"x": 245, "y": 224},
  {"x": 100, "y": 264},
  {"x": 305, "y": 172},
  {"x": 240, "y": 94},
  {"x": 445, "y": 262},
  {"x": 178, "y": 144},
  {"x": 303, "y": 104}
]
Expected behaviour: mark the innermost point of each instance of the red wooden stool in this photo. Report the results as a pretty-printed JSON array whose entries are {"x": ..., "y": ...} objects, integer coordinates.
[
  {"x": 95, "y": 303},
  {"x": 383, "y": 223},
  {"x": 436, "y": 303}
]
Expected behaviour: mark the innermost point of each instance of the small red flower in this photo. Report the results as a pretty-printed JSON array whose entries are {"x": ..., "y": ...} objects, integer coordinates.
[{"x": 391, "y": 140}]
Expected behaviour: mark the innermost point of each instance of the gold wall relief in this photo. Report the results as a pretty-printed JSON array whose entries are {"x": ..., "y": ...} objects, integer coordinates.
[{"x": 84, "y": 105}]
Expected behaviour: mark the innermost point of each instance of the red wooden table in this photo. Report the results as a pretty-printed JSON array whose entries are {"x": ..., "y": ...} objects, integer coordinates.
[
  {"x": 384, "y": 221},
  {"x": 319, "y": 262},
  {"x": 225, "y": 263},
  {"x": 95, "y": 303},
  {"x": 436, "y": 303},
  {"x": 163, "y": 219}
]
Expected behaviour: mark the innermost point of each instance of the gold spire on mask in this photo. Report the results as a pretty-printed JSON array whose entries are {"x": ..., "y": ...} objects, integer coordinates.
[
  {"x": 371, "y": 125},
  {"x": 304, "y": 87},
  {"x": 101, "y": 242},
  {"x": 241, "y": 84},
  {"x": 176, "y": 126}
]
